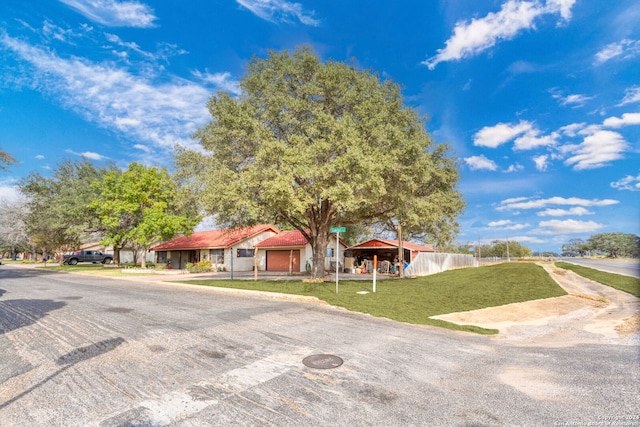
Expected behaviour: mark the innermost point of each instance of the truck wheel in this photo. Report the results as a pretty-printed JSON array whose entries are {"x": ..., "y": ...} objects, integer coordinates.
[
  {"x": 107, "y": 261},
  {"x": 73, "y": 261}
]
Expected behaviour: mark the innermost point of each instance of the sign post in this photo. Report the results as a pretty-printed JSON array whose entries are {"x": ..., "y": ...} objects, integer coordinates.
[
  {"x": 375, "y": 269},
  {"x": 337, "y": 230}
]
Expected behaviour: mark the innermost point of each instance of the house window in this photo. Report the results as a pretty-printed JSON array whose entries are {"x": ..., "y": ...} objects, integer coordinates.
[
  {"x": 216, "y": 256},
  {"x": 162, "y": 257},
  {"x": 245, "y": 253},
  {"x": 330, "y": 252}
]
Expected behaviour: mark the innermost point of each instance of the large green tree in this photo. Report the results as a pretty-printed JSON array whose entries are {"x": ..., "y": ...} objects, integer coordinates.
[
  {"x": 58, "y": 217},
  {"x": 311, "y": 145},
  {"x": 615, "y": 244},
  {"x": 141, "y": 206}
]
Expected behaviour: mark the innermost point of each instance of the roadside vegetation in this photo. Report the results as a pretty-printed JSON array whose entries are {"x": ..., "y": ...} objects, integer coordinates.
[
  {"x": 416, "y": 300},
  {"x": 618, "y": 281}
]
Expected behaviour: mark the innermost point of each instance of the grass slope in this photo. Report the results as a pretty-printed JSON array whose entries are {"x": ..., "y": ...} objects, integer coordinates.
[
  {"x": 618, "y": 281},
  {"x": 415, "y": 300}
]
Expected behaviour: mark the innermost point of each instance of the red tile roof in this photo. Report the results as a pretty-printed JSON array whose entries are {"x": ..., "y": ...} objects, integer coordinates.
[
  {"x": 291, "y": 238},
  {"x": 213, "y": 239},
  {"x": 386, "y": 243}
]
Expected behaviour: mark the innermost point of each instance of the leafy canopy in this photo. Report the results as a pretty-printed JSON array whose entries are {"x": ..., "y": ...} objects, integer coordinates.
[{"x": 309, "y": 145}]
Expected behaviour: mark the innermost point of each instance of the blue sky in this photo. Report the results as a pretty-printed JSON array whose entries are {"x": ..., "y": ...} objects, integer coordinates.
[{"x": 539, "y": 99}]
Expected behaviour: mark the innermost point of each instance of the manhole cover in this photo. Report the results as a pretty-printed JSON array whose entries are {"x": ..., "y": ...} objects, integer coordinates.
[{"x": 322, "y": 361}]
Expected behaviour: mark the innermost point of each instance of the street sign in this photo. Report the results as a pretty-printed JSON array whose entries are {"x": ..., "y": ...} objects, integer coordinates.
[{"x": 338, "y": 229}]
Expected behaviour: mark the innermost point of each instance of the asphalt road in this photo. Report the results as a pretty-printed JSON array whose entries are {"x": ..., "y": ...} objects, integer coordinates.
[
  {"x": 625, "y": 267},
  {"x": 85, "y": 351}
]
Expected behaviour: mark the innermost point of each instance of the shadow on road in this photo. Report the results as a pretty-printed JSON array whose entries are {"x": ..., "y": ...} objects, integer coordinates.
[
  {"x": 18, "y": 313},
  {"x": 69, "y": 360}
]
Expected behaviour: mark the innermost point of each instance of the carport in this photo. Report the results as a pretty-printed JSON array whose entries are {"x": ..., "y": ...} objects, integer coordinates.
[{"x": 385, "y": 250}]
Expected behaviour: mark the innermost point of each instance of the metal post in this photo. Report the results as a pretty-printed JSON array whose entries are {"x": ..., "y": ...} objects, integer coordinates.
[
  {"x": 337, "y": 242},
  {"x": 231, "y": 249}
]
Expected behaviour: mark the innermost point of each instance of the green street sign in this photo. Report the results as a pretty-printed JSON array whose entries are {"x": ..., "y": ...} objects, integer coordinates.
[{"x": 338, "y": 229}]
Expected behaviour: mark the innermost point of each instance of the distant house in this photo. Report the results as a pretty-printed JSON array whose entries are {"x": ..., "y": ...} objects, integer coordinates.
[
  {"x": 126, "y": 254},
  {"x": 290, "y": 251},
  {"x": 221, "y": 247}
]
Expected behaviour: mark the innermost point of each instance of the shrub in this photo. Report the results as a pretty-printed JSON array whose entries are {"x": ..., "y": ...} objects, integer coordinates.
[{"x": 199, "y": 267}]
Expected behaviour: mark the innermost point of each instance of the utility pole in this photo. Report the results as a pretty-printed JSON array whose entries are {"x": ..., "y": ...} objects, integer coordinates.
[{"x": 508, "y": 259}]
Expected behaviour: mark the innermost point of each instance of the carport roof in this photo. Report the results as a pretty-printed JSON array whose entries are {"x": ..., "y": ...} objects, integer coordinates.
[
  {"x": 385, "y": 244},
  {"x": 213, "y": 239}
]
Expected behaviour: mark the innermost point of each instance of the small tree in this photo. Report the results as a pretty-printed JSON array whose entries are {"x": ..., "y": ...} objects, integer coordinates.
[
  {"x": 309, "y": 146},
  {"x": 141, "y": 206},
  {"x": 13, "y": 230}
]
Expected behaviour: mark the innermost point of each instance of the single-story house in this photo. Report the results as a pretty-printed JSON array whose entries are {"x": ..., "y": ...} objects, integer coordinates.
[
  {"x": 385, "y": 250},
  {"x": 224, "y": 248},
  {"x": 290, "y": 251}
]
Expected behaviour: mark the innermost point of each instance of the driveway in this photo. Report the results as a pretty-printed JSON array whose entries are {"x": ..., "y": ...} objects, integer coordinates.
[{"x": 89, "y": 351}]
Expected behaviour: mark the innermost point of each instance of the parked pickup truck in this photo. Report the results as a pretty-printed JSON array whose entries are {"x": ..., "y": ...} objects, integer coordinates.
[{"x": 86, "y": 256}]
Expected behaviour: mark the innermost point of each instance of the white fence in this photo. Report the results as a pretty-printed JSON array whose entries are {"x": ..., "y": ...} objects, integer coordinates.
[{"x": 431, "y": 263}]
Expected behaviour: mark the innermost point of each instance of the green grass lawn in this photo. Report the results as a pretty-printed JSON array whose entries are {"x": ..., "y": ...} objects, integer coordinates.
[
  {"x": 415, "y": 300},
  {"x": 617, "y": 281}
]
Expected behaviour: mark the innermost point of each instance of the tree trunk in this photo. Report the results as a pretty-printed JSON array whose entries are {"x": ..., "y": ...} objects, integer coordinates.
[
  {"x": 319, "y": 245},
  {"x": 143, "y": 260},
  {"x": 116, "y": 254}
]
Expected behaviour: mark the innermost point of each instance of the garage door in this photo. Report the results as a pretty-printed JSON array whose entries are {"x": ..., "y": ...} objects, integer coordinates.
[{"x": 279, "y": 260}]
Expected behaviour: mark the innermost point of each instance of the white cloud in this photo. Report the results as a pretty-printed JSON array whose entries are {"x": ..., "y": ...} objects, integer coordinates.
[
  {"x": 9, "y": 190},
  {"x": 629, "y": 182},
  {"x": 526, "y": 203},
  {"x": 163, "y": 114},
  {"x": 142, "y": 147},
  {"x": 597, "y": 150},
  {"x": 93, "y": 156},
  {"x": 40, "y": 157},
  {"x": 569, "y": 226},
  {"x": 526, "y": 239},
  {"x": 223, "y": 81},
  {"x": 626, "y": 49},
  {"x": 507, "y": 225},
  {"x": 579, "y": 211},
  {"x": 514, "y": 168},
  {"x": 572, "y": 129},
  {"x": 575, "y": 100},
  {"x": 631, "y": 95},
  {"x": 473, "y": 37},
  {"x": 480, "y": 162},
  {"x": 532, "y": 139},
  {"x": 279, "y": 11},
  {"x": 113, "y": 13},
  {"x": 562, "y": 6},
  {"x": 52, "y": 31},
  {"x": 626, "y": 120},
  {"x": 542, "y": 162},
  {"x": 88, "y": 155},
  {"x": 494, "y": 136}
]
